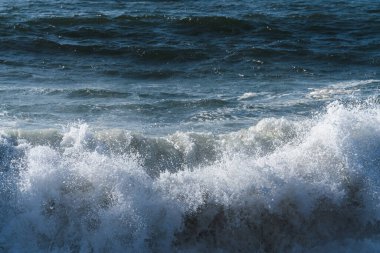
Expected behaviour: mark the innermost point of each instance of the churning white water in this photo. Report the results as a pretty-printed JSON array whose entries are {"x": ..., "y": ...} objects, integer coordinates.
[{"x": 279, "y": 186}]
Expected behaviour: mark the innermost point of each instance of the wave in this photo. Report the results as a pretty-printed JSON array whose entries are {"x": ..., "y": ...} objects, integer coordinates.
[
  {"x": 200, "y": 25},
  {"x": 281, "y": 185},
  {"x": 68, "y": 92},
  {"x": 248, "y": 95},
  {"x": 97, "y": 93},
  {"x": 124, "y": 34},
  {"x": 145, "y": 53},
  {"x": 344, "y": 88}
]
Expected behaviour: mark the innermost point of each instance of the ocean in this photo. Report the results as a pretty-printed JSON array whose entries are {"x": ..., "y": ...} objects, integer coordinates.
[{"x": 189, "y": 126}]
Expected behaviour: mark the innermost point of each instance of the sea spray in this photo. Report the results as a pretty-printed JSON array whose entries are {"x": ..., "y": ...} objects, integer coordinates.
[{"x": 279, "y": 186}]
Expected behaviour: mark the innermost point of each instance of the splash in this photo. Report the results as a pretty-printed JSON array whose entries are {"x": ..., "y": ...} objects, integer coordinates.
[{"x": 279, "y": 186}]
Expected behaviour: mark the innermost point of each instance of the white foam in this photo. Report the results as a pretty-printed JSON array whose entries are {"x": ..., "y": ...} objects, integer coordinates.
[
  {"x": 280, "y": 185},
  {"x": 354, "y": 83},
  {"x": 328, "y": 93},
  {"x": 340, "y": 88},
  {"x": 247, "y": 95}
]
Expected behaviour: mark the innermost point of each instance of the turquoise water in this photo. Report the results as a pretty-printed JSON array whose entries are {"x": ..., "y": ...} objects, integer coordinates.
[{"x": 176, "y": 126}]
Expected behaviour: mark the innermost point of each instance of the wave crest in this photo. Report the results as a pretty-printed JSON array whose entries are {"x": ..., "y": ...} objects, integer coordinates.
[{"x": 282, "y": 185}]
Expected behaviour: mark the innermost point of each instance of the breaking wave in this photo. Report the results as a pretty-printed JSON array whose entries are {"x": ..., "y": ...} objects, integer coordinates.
[{"x": 281, "y": 185}]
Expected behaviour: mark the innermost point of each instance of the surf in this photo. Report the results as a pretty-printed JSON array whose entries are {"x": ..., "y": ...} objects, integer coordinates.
[{"x": 283, "y": 185}]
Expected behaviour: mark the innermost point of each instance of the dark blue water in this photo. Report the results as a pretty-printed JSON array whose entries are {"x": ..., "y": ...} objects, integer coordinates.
[
  {"x": 189, "y": 126},
  {"x": 167, "y": 63}
]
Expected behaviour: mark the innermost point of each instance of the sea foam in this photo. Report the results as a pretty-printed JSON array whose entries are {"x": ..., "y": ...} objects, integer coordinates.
[{"x": 279, "y": 186}]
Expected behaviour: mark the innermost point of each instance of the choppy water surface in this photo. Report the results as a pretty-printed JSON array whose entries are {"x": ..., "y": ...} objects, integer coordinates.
[{"x": 176, "y": 126}]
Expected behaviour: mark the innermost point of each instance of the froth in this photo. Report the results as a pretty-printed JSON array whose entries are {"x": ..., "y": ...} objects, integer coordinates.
[
  {"x": 341, "y": 88},
  {"x": 280, "y": 186},
  {"x": 247, "y": 95}
]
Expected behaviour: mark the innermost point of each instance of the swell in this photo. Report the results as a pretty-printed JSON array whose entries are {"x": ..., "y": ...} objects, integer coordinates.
[
  {"x": 301, "y": 36},
  {"x": 140, "y": 53},
  {"x": 95, "y": 93}
]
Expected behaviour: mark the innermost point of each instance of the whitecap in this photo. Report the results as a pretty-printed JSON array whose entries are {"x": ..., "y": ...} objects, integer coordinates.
[
  {"x": 247, "y": 95},
  {"x": 282, "y": 185}
]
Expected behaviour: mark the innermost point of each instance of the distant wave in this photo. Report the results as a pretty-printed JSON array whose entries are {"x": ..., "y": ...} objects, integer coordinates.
[
  {"x": 343, "y": 88},
  {"x": 247, "y": 95},
  {"x": 258, "y": 35}
]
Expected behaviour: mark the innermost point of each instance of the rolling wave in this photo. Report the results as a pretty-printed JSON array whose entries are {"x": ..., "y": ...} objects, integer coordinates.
[
  {"x": 279, "y": 186},
  {"x": 189, "y": 38}
]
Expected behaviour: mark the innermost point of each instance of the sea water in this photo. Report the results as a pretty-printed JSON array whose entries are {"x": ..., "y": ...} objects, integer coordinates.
[{"x": 189, "y": 126}]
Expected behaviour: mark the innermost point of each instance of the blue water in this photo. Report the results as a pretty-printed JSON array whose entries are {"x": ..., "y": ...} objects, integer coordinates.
[{"x": 177, "y": 126}]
